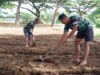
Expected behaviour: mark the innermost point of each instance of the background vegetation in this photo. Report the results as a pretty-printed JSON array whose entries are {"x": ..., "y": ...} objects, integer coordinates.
[{"x": 48, "y": 10}]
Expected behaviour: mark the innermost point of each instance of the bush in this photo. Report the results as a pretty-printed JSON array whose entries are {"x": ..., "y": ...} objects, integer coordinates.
[
  {"x": 98, "y": 23},
  {"x": 26, "y": 17},
  {"x": 46, "y": 17}
]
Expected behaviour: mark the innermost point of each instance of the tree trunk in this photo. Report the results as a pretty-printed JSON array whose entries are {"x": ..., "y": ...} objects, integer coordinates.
[
  {"x": 80, "y": 13},
  {"x": 38, "y": 14},
  {"x": 55, "y": 14},
  {"x": 17, "y": 21}
]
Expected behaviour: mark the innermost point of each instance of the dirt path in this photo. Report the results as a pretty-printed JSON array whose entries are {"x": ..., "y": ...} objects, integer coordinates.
[{"x": 15, "y": 59}]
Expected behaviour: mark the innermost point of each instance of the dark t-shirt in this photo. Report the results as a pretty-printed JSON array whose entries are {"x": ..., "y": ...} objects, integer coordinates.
[
  {"x": 83, "y": 24},
  {"x": 29, "y": 26}
]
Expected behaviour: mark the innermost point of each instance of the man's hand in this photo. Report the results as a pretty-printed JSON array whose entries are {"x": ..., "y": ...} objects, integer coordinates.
[
  {"x": 55, "y": 48},
  {"x": 31, "y": 31},
  {"x": 65, "y": 40},
  {"x": 31, "y": 34}
]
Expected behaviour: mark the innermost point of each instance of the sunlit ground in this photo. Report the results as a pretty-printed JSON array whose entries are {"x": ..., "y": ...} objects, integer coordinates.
[{"x": 38, "y": 28}]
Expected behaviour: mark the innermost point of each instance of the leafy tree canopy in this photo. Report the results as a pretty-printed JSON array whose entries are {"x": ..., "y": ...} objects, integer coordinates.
[{"x": 80, "y": 6}]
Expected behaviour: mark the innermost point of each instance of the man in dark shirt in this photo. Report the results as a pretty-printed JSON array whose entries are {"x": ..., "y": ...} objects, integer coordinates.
[
  {"x": 28, "y": 29},
  {"x": 85, "y": 31}
]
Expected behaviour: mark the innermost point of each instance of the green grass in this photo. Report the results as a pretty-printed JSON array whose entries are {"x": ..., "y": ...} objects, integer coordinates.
[
  {"x": 96, "y": 32},
  {"x": 97, "y": 36}
]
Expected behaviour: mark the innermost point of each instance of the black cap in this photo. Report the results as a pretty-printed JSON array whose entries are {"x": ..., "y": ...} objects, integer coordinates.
[{"x": 62, "y": 16}]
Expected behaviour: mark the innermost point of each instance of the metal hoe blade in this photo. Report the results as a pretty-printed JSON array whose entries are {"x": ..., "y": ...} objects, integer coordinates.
[{"x": 41, "y": 58}]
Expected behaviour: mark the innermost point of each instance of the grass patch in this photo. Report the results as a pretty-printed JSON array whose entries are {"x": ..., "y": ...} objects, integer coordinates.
[
  {"x": 97, "y": 35},
  {"x": 96, "y": 32}
]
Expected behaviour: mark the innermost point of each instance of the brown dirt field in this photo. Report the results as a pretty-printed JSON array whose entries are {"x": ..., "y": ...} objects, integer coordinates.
[{"x": 15, "y": 59}]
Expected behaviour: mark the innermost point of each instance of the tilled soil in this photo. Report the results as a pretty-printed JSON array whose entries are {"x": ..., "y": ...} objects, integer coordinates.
[{"x": 16, "y": 59}]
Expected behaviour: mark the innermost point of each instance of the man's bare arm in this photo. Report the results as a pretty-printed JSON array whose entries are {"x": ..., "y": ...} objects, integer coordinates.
[
  {"x": 72, "y": 32},
  {"x": 31, "y": 32},
  {"x": 61, "y": 41}
]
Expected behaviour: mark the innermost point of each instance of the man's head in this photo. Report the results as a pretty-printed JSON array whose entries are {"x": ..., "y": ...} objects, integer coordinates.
[
  {"x": 36, "y": 21},
  {"x": 63, "y": 18}
]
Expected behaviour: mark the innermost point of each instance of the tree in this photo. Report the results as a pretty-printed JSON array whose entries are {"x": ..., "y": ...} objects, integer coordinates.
[
  {"x": 80, "y": 6},
  {"x": 56, "y": 11},
  {"x": 17, "y": 21},
  {"x": 38, "y": 5}
]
